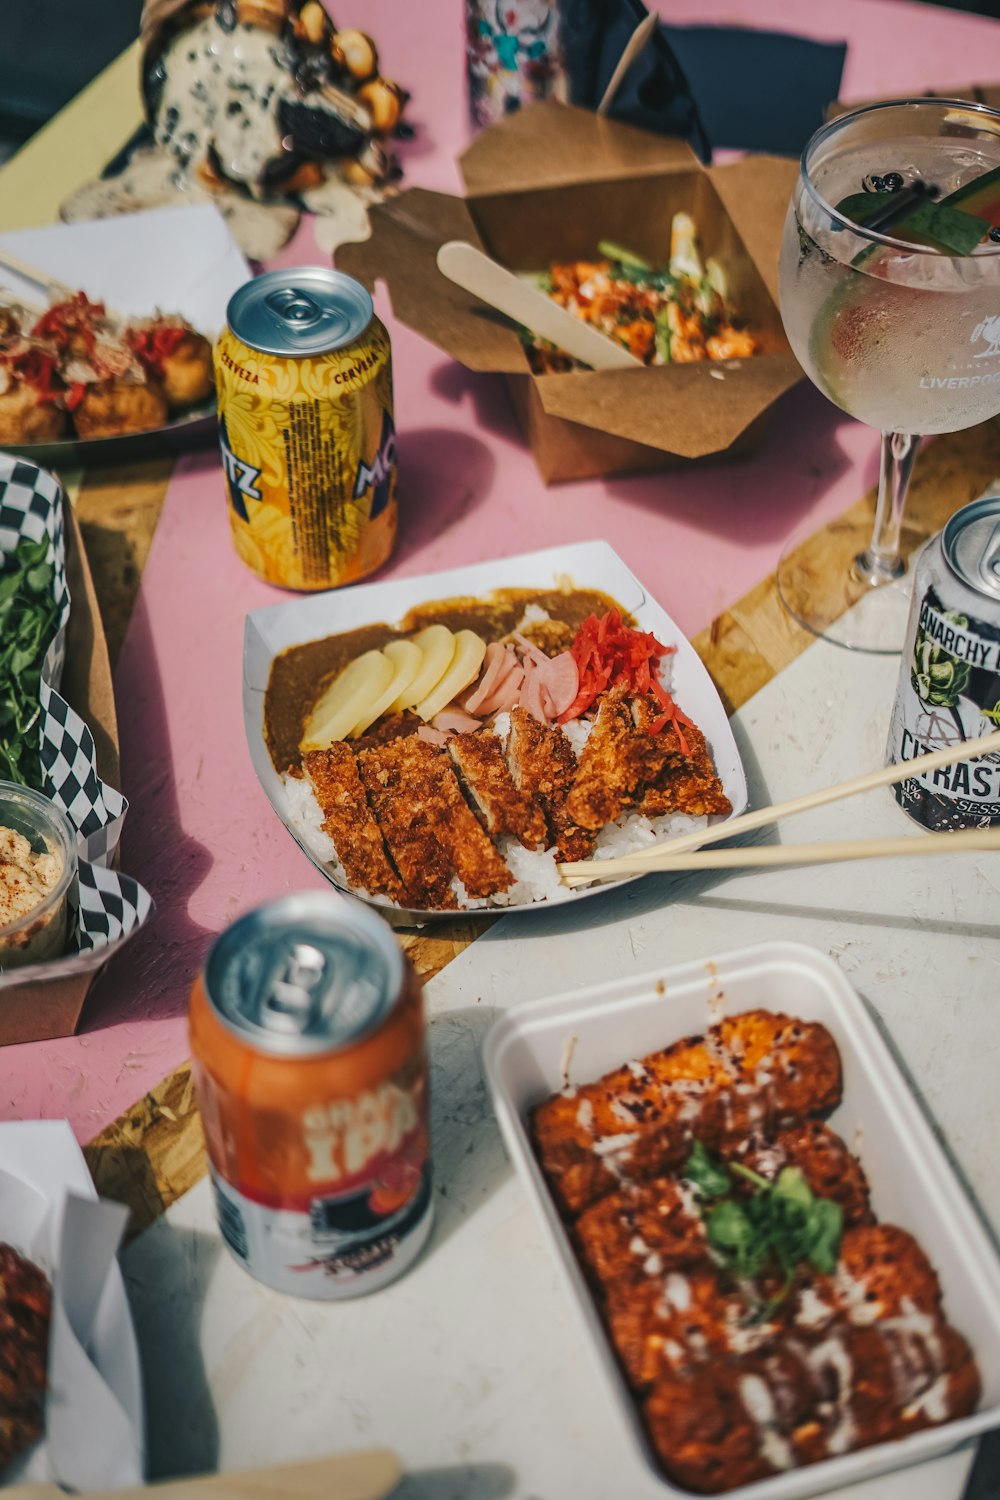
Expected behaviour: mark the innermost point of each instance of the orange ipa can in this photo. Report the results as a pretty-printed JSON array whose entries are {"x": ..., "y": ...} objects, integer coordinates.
[
  {"x": 307, "y": 1034},
  {"x": 303, "y": 371}
]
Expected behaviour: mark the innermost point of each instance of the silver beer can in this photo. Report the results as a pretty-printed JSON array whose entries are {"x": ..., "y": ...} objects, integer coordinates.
[{"x": 949, "y": 680}]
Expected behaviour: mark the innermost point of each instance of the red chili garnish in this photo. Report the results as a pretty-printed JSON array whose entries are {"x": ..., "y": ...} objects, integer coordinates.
[
  {"x": 65, "y": 320},
  {"x": 153, "y": 345},
  {"x": 607, "y": 653},
  {"x": 40, "y": 371}
]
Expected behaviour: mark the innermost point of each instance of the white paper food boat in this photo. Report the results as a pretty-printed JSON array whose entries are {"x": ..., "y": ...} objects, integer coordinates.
[{"x": 589, "y": 565}]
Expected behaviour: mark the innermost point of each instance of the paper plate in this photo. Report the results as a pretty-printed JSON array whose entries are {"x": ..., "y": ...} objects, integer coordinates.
[
  {"x": 590, "y": 565},
  {"x": 171, "y": 260}
]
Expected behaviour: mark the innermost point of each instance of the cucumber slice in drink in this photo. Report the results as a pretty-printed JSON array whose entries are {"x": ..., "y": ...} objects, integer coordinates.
[{"x": 860, "y": 313}]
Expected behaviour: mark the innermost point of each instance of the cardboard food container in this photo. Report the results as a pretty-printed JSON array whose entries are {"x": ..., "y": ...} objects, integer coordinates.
[
  {"x": 79, "y": 747},
  {"x": 546, "y": 185}
]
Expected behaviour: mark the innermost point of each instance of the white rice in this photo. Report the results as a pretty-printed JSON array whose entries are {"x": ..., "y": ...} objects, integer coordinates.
[{"x": 536, "y": 877}]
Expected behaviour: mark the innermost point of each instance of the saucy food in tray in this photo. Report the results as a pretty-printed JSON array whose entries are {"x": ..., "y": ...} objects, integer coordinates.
[
  {"x": 677, "y": 313},
  {"x": 25, "y": 1314},
  {"x": 78, "y": 368},
  {"x": 451, "y": 761},
  {"x": 761, "y": 1315}
]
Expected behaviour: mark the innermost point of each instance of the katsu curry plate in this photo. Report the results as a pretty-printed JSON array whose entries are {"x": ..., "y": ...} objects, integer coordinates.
[{"x": 441, "y": 744}]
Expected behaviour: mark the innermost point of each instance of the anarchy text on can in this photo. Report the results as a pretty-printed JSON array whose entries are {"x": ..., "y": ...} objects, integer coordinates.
[
  {"x": 306, "y": 428},
  {"x": 307, "y": 1035},
  {"x": 949, "y": 681}
]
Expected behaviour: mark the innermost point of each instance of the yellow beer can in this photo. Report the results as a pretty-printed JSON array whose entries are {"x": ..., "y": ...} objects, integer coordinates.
[{"x": 306, "y": 429}]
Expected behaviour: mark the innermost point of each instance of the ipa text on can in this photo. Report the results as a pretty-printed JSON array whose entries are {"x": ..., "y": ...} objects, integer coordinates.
[
  {"x": 307, "y": 1036},
  {"x": 306, "y": 428}
]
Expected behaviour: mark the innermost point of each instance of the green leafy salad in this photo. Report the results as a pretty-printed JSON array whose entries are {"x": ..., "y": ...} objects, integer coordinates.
[{"x": 28, "y": 622}]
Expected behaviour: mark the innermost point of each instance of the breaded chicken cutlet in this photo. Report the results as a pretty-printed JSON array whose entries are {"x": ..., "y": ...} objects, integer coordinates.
[
  {"x": 429, "y": 828},
  {"x": 688, "y": 782},
  {"x": 543, "y": 765},
  {"x": 752, "y": 1072},
  {"x": 348, "y": 820},
  {"x": 621, "y": 756},
  {"x": 503, "y": 806}
]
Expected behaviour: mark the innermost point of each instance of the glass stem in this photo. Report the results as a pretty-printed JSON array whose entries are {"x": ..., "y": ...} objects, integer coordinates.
[{"x": 882, "y": 562}]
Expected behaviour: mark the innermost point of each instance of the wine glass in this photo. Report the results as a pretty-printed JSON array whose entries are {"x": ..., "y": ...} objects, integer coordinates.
[{"x": 902, "y": 334}]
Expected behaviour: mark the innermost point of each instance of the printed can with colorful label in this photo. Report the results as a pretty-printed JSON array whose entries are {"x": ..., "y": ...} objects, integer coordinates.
[
  {"x": 307, "y": 1036},
  {"x": 306, "y": 428},
  {"x": 949, "y": 682}
]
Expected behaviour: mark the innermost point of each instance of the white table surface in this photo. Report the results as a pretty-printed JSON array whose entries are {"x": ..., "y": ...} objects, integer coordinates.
[{"x": 472, "y": 1366}]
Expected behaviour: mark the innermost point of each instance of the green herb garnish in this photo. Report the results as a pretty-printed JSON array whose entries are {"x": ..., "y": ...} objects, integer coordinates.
[
  {"x": 28, "y": 619},
  {"x": 780, "y": 1226}
]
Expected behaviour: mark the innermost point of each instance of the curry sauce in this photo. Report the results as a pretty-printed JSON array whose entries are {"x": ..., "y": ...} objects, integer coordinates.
[{"x": 302, "y": 673}]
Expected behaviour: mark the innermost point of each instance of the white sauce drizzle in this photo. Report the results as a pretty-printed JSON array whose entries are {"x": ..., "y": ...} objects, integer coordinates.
[
  {"x": 585, "y": 1115},
  {"x": 760, "y": 1407},
  {"x": 853, "y": 1294},
  {"x": 677, "y": 1290},
  {"x": 915, "y": 1355},
  {"x": 831, "y": 1354},
  {"x": 812, "y": 1311},
  {"x": 223, "y": 87}
]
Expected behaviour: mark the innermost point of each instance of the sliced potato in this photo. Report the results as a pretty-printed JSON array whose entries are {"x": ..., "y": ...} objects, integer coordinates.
[
  {"x": 437, "y": 647},
  {"x": 406, "y": 659},
  {"x": 470, "y": 649},
  {"x": 345, "y": 700}
]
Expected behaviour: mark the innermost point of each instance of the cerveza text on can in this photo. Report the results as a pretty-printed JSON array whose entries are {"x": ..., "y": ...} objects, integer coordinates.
[{"x": 307, "y": 429}]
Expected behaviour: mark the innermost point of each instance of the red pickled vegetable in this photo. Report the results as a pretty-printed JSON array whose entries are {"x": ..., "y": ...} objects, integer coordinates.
[
  {"x": 64, "y": 320},
  {"x": 38, "y": 369},
  {"x": 609, "y": 653},
  {"x": 155, "y": 344}
]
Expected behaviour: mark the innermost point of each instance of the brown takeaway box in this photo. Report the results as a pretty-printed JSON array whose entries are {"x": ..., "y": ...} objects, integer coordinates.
[
  {"x": 545, "y": 185},
  {"x": 33, "y": 1011}
]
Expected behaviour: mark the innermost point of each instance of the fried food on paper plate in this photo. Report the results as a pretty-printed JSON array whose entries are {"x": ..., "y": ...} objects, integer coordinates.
[{"x": 78, "y": 368}]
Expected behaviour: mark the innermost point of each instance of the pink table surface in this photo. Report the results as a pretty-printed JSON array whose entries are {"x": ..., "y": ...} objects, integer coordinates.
[{"x": 201, "y": 835}]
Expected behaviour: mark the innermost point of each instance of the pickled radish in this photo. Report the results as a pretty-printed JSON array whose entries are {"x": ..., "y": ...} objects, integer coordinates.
[
  {"x": 406, "y": 659},
  {"x": 437, "y": 647},
  {"x": 463, "y": 669},
  {"x": 346, "y": 699}
]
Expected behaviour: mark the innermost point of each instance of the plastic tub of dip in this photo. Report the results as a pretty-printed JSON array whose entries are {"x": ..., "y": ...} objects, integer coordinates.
[{"x": 38, "y": 864}]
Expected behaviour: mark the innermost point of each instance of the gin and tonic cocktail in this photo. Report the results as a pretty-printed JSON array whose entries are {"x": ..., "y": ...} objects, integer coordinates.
[{"x": 890, "y": 295}]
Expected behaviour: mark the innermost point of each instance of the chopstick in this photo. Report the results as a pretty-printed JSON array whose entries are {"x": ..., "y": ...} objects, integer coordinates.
[
  {"x": 831, "y": 852},
  {"x": 50, "y": 284},
  {"x": 583, "y": 871}
]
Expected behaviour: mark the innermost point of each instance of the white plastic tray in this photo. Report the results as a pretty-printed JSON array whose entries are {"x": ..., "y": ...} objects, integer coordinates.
[
  {"x": 590, "y": 565},
  {"x": 912, "y": 1182}
]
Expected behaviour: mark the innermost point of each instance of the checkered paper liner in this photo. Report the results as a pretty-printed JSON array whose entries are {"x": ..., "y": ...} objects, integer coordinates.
[{"x": 106, "y": 907}]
